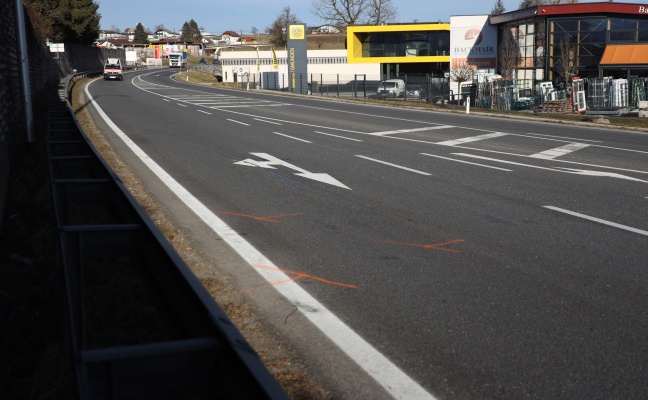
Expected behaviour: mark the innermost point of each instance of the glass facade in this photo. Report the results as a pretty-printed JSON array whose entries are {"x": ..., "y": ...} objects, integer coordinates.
[
  {"x": 405, "y": 44},
  {"x": 557, "y": 48}
]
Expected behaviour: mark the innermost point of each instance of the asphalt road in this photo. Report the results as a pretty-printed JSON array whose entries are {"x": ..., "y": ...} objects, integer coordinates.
[{"x": 483, "y": 258}]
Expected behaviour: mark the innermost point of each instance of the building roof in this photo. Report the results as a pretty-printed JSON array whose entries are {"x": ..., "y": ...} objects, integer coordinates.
[{"x": 571, "y": 9}]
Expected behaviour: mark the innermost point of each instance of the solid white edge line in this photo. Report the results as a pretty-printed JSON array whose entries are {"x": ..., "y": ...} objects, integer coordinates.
[
  {"x": 394, "y": 165},
  {"x": 599, "y": 220},
  {"x": 374, "y": 363}
]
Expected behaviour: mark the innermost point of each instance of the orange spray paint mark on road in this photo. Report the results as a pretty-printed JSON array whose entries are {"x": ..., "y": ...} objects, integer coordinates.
[
  {"x": 436, "y": 246},
  {"x": 295, "y": 276},
  {"x": 271, "y": 218}
]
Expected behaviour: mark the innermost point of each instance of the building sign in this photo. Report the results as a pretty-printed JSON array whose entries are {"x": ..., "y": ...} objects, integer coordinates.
[
  {"x": 297, "y": 58},
  {"x": 473, "y": 43}
]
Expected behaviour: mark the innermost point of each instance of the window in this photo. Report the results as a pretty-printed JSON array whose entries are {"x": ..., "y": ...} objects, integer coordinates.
[
  {"x": 405, "y": 44},
  {"x": 623, "y": 30}
]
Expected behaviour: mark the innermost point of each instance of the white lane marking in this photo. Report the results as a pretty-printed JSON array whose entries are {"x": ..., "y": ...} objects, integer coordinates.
[
  {"x": 182, "y": 105},
  {"x": 472, "y": 139},
  {"x": 267, "y": 122},
  {"x": 237, "y": 122},
  {"x": 291, "y": 137},
  {"x": 394, "y": 165},
  {"x": 561, "y": 137},
  {"x": 374, "y": 363},
  {"x": 601, "y": 173},
  {"x": 271, "y": 160},
  {"x": 565, "y": 170},
  {"x": 204, "y": 112},
  {"x": 337, "y": 136},
  {"x": 559, "y": 151},
  {"x": 427, "y": 128},
  {"x": 467, "y": 162},
  {"x": 523, "y": 155},
  {"x": 599, "y": 220}
]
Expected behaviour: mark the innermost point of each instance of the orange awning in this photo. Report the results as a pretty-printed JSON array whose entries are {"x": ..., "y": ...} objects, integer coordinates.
[{"x": 625, "y": 54}]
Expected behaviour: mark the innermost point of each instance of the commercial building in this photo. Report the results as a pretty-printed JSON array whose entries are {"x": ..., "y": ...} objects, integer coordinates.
[
  {"x": 422, "y": 49},
  {"x": 555, "y": 42}
]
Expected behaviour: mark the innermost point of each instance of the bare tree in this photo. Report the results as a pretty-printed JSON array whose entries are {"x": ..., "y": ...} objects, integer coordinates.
[
  {"x": 380, "y": 12},
  {"x": 345, "y": 13},
  {"x": 566, "y": 61},
  {"x": 279, "y": 28},
  {"x": 508, "y": 54},
  {"x": 460, "y": 73}
]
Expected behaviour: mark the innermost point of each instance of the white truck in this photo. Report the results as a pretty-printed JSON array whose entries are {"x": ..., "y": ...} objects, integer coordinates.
[
  {"x": 177, "y": 60},
  {"x": 113, "y": 69},
  {"x": 391, "y": 88}
]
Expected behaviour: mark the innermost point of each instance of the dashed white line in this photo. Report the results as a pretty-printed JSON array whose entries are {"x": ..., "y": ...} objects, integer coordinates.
[
  {"x": 394, "y": 165},
  {"x": 337, "y": 136},
  {"x": 182, "y": 105},
  {"x": 291, "y": 137},
  {"x": 204, "y": 112},
  {"x": 599, "y": 220}
]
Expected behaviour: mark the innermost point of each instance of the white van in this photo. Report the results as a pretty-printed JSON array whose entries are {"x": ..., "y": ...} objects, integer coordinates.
[
  {"x": 391, "y": 88},
  {"x": 113, "y": 69}
]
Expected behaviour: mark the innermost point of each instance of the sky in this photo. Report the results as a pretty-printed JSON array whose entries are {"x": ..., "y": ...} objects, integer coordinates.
[{"x": 217, "y": 17}]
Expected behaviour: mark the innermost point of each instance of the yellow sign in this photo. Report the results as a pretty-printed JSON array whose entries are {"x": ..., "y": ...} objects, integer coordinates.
[
  {"x": 275, "y": 61},
  {"x": 297, "y": 32}
]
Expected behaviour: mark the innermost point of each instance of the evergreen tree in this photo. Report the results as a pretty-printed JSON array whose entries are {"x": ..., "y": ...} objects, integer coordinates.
[
  {"x": 71, "y": 21},
  {"x": 527, "y": 4},
  {"x": 498, "y": 8},
  {"x": 76, "y": 21},
  {"x": 190, "y": 32},
  {"x": 141, "y": 37}
]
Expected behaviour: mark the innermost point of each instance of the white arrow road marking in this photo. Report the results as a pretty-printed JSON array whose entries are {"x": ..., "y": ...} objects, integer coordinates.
[
  {"x": 601, "y": 173},
  {"x": 559, "y": 169},
  {"x": 270, "y": 161},
  {"x": 599, "y": 220}
]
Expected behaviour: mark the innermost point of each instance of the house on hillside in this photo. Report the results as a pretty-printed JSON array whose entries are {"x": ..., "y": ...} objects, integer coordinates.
[
  {"x": 166, "y": 34},
  {"x": 231, "y": 38},
  {"x": 316, "y": 30},
  {"x": 105, "y": 35},
  {"x": 113, "y": 43}
]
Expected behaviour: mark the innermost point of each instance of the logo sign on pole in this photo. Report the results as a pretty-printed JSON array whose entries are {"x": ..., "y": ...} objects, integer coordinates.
[{"x": 297, "y": 58}]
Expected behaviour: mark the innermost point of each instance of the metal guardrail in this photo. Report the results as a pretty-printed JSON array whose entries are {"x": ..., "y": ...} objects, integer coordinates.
[{"x": 172, "y": 339}]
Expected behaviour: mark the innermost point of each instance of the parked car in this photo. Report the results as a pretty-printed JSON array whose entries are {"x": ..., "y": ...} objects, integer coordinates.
[
  {"x": 414, "y": 91},
  {"x": 391, "y": 88},
  {"x": 202, "y": 61},
  {"x": 215, "y": 61}
]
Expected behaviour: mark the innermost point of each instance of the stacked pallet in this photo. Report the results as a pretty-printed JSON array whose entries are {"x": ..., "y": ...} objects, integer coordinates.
[{"x": 562, "y": 106}]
